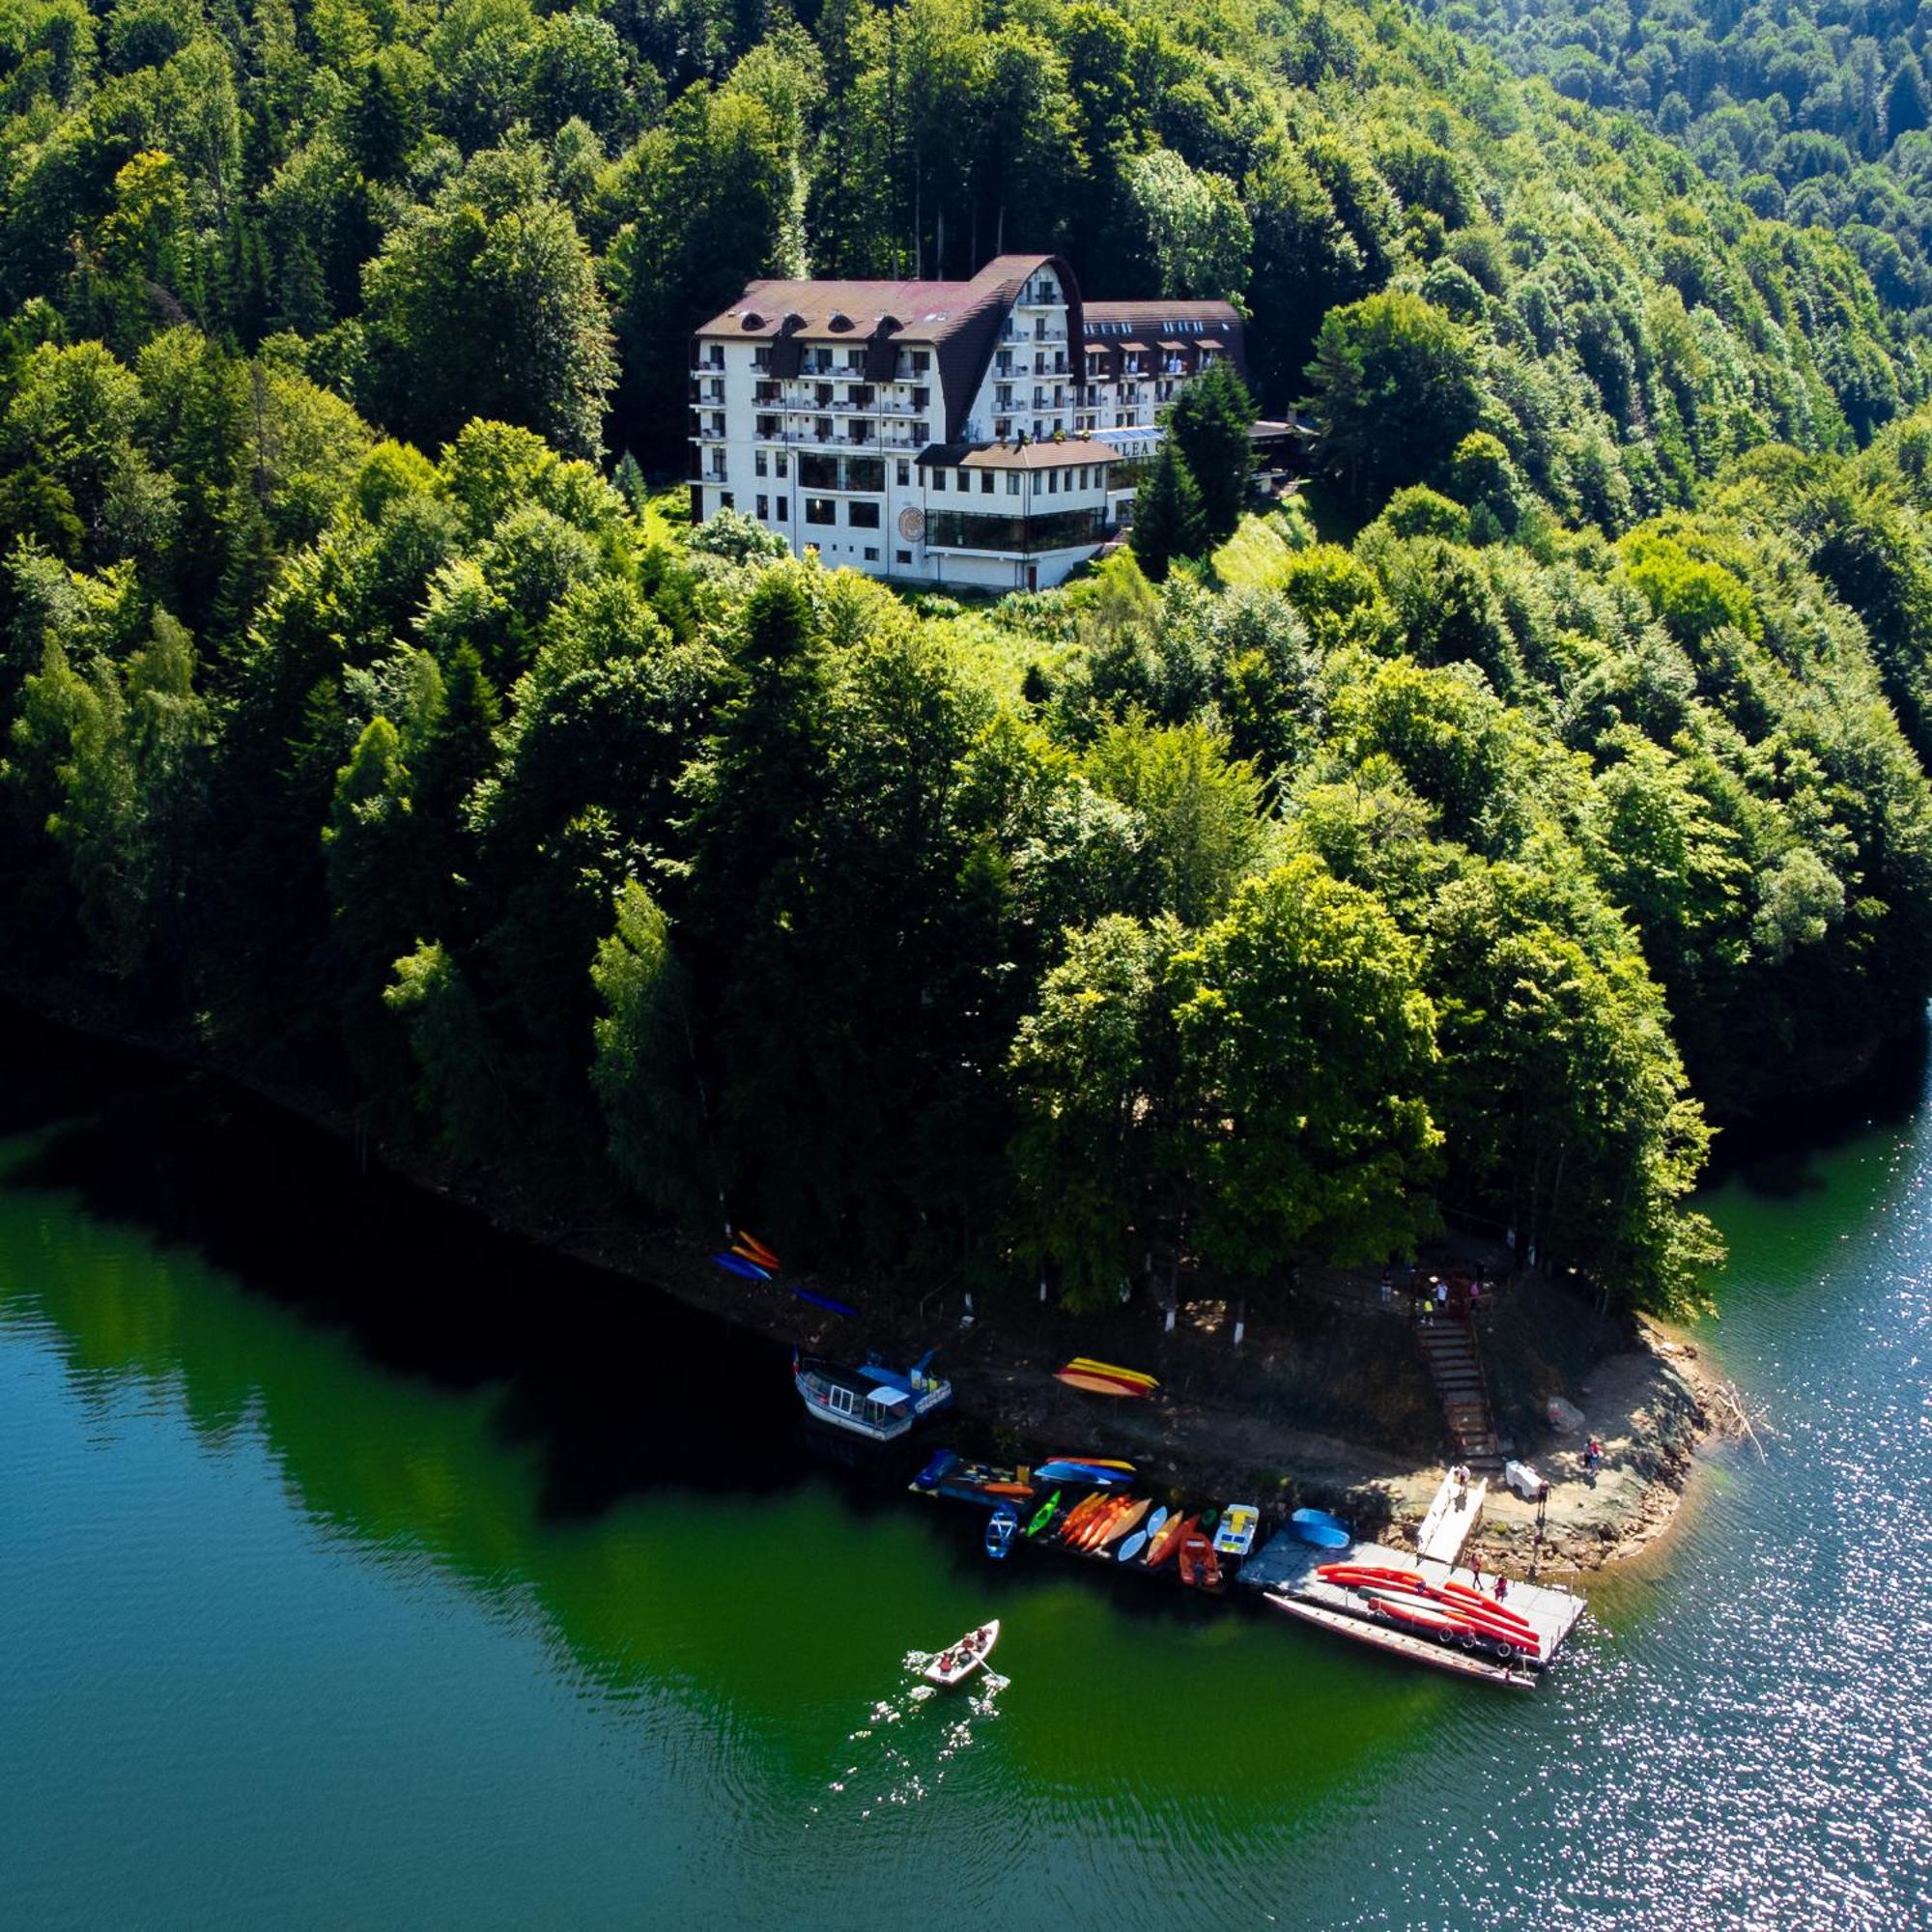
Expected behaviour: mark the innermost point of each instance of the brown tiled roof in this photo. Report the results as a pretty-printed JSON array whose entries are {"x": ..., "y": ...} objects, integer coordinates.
[
  {"x": 959, "y": 320},
  {"x": 1156, "y": 314},
  {"x": 1196, "y": 324},
  {"x": 1042, "y": 455}
]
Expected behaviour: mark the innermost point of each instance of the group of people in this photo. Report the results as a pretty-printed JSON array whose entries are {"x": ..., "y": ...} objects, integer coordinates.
[{"x": 1458, "y": 1295}]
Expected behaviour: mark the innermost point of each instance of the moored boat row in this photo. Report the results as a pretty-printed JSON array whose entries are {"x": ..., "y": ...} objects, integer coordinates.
[{"x": 1312, "y": 1568}]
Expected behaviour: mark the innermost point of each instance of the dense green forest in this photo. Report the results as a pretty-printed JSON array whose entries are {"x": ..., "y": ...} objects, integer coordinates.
[
  {"x": 1821, "y": 114},
  {"x": 1454, "y": 849}
]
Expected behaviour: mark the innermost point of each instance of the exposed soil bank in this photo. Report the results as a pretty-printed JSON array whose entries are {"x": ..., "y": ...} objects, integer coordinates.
[{"x": 1325, "y": 1401}]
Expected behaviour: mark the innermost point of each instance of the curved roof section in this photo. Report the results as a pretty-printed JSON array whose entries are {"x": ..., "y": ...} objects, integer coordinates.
[{"x": 959, "y": 320}]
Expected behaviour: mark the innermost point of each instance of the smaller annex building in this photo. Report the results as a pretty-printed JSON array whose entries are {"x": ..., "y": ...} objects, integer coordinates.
[{"x": 985, "y": 433}]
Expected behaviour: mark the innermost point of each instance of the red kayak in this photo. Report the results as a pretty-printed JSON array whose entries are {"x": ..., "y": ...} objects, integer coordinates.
[
  {"x": 1463, "y": 1617},
  {"x": 1469, "y": 1594},
  {"x": 1458, "y": 1607},
  {"x": 1419, "y": 1615},
  {"x": 1359, "y": 1575}
]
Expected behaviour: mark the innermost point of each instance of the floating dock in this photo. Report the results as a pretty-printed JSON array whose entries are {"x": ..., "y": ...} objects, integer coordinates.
[
  {"x": 1284, "y": 1568},
  {"x": 1399, "y": 1643},
  {"x": 1285, "y": 1572}
]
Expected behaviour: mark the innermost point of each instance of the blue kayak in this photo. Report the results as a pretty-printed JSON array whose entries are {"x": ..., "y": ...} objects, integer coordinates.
[
  {"x": 1096, "y": 1474},
  {"x": 1001, "y": 1526},
  {"x": 824, "y": 1301},
  {"x": 1319, "y": 1528}
]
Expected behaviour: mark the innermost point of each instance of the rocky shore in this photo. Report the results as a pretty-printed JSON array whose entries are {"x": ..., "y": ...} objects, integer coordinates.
[{"x": 1324, "y": 1400}]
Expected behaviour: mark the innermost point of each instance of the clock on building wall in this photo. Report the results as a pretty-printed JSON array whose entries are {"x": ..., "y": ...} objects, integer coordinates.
[{"x": 912, "y": 522}]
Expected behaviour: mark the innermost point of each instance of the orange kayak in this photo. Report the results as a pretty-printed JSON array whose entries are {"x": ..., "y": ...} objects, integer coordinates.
[
  {"x": 1168, "y": 1539},
  {"x": 1125, "y": 1524},
  {"x": 1095, "y": 1531},
  {"x": 1096, "y": 1383},
  {"x": 1071, "y": 1524}
]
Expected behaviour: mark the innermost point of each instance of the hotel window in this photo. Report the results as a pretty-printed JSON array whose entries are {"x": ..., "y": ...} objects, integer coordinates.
[
  {"x": 921, "y": 361},
  {"x": 863, "y": 515},
  {"x": 1013, "y": 482},
  {"x": 1052, "y": 482},
  {"x": 759, "y": 466},
  {"x": 784, "y": 463},
  {"x": 724, "y": 499},
  {"x": 764, "y": 509},
  {"x": 872, "y": 553},
  {"x": 962, "y": 481},
  {"x": 905, "y": 473},
  {"x": 985, "y": 482},
  {"x": 784, "y": 510},
  {"x": 902, "y": 555},
  {"x": 821, "y": 510},
  {"x": 761, "y": 358},
  {"x": 938, "y": 480}
]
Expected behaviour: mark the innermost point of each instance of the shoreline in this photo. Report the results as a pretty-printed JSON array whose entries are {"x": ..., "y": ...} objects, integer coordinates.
[{"x": 1220, "y": 1426}]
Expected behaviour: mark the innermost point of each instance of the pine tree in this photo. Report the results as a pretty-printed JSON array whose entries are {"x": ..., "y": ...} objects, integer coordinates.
[
  {"x": 1168, "y": 521},
  {"x": 1211, "y": 422}
]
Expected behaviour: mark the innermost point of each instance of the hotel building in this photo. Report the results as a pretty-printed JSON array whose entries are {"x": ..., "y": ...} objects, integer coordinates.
[{"x": 987, "y": 432}]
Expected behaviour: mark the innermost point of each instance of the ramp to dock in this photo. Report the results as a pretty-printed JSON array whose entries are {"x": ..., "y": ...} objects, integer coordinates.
[{"x": 1446, "y": 1528}]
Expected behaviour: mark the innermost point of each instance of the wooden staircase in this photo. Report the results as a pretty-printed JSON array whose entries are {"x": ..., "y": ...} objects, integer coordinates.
[{"x": 1457, "y": 1369}]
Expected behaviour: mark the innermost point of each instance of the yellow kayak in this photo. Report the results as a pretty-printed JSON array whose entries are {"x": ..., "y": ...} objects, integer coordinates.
[{"x": 1087, "y": 1365}]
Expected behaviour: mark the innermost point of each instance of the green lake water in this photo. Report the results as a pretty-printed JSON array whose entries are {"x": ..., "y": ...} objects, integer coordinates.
[{"x": 356, "y": 1569}]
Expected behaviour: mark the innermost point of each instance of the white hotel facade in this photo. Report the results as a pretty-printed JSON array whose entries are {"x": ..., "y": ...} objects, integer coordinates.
[{"x": 985, "y": 433}]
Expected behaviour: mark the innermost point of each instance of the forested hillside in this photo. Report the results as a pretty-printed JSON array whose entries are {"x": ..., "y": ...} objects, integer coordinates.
[
  {"x": 1819, "y": 113},
  {"x": 363, "y": 720}
]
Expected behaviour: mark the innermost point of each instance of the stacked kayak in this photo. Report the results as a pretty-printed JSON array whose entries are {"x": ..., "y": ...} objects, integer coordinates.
[
  {"x": 1450, "y": 1611},
  {"x": 1104, "y": 1377},
  {"x": 1094, "y": 1473}
]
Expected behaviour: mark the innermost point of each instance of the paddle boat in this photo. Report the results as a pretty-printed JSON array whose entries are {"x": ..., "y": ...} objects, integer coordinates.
[
  {"x": 878, "y": 1402},
  {"x": 953, "y": 1666},
  {"x": 1236, "y": 1536}
]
